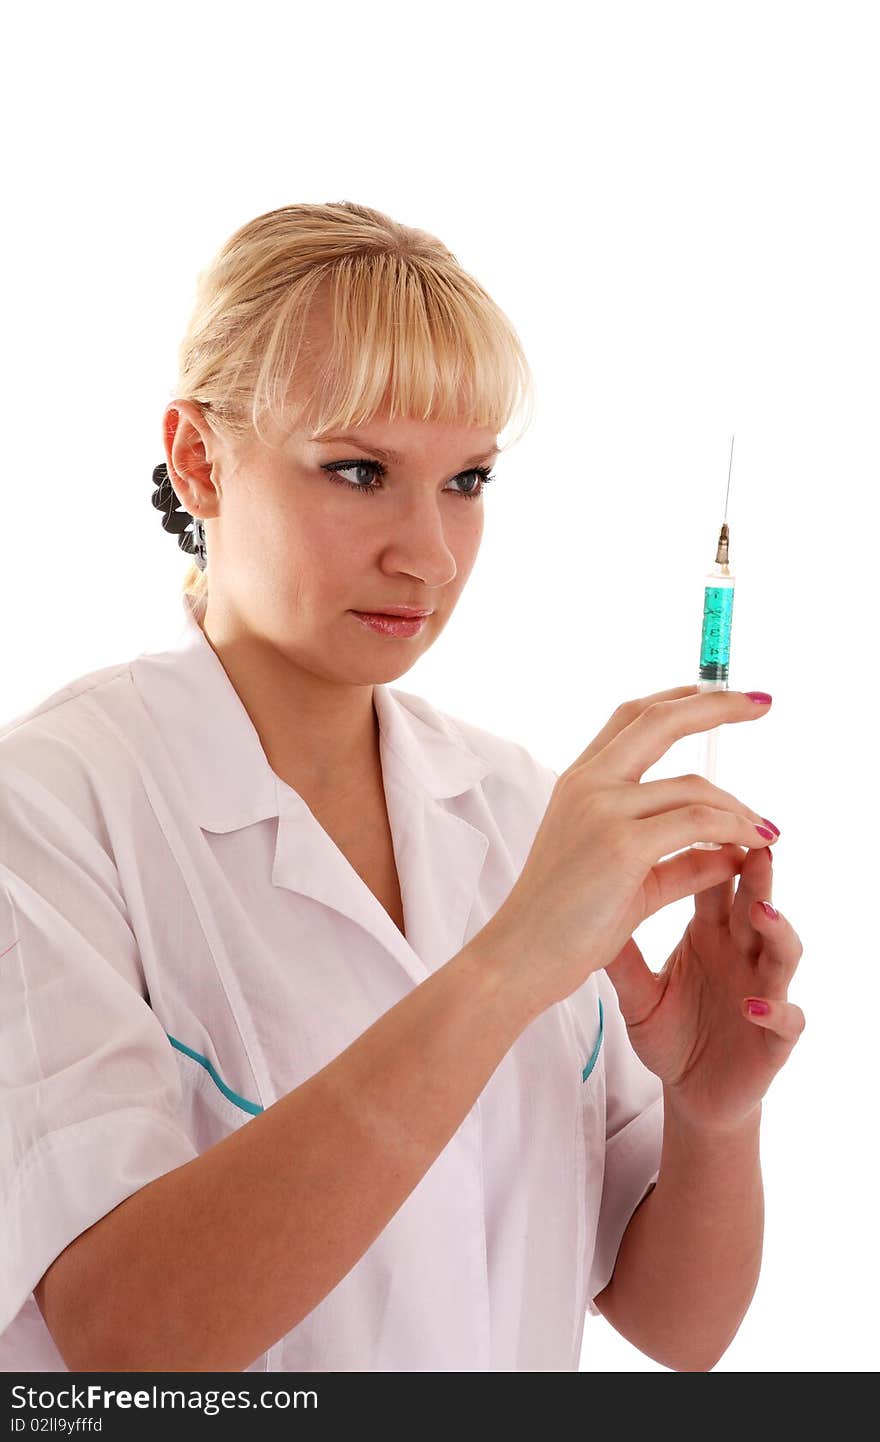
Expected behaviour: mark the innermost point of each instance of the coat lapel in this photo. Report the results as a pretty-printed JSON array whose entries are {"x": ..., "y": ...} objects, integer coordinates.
[{"x": 439, "y": 855}]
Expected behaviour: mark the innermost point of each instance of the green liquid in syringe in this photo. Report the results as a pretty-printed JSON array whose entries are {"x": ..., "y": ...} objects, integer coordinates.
[{"x": 715, "y": 643}]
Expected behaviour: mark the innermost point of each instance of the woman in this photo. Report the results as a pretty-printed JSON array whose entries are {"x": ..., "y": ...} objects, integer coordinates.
[{"x": 331, "y": 1046}]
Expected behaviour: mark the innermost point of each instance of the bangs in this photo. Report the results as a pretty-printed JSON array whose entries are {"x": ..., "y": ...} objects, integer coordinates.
[{"x": 403, "y": 335}]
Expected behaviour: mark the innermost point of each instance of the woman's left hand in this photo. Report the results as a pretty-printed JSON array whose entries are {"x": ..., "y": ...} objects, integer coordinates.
[{"x": 690, "y": 1023}]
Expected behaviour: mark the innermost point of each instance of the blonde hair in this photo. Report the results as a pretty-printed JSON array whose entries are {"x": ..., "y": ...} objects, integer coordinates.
[{"x": 410, "y": 329}]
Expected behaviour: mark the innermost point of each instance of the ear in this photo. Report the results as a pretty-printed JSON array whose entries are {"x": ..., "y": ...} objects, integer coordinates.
[{"x": 188, "y": 443}]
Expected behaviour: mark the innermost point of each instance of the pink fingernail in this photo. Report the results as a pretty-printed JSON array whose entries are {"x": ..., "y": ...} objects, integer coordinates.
[
  {"x": 756, "y": 1007},
  {"x": 763, "y": 698},
  {"x": 767, "y": 835},
  {"x": 769, "y": 823},
  {"x": 770, "y": 910}
]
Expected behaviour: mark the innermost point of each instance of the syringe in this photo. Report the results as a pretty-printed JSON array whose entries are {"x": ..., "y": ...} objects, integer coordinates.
[{"x": 715, "y": 643}]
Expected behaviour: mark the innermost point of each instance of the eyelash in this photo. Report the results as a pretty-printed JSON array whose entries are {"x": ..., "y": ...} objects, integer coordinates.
[{"x": 482, "y": 471}]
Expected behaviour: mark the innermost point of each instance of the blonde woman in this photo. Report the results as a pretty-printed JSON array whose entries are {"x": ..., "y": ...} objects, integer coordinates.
[{"x": 326, "y": 1045}]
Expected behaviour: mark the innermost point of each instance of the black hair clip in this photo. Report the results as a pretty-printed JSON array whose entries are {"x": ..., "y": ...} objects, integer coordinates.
[{"x": 176, "y": 520}]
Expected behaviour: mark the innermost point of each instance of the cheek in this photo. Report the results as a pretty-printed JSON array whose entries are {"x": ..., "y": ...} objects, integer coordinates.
[
  {"x": 319, "y": 561},
  {"x": 310, "y": 540},
  {"x": 467, "y": 543}
]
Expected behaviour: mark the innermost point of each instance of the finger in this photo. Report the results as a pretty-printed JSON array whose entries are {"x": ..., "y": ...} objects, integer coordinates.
[
  {"x": 782, "y": 1020},
  {"x": 716, "y": 903},
  {"x": 781, "y": 947},
  {"x": 650, "y": 837},
  {"x": 653, "y": 729},
  {"x": 625, "y": 714},
  {"x": 653, "y": 798},
  {"x": 689, "y": 873},
  {"x": 755, "y": 884}
]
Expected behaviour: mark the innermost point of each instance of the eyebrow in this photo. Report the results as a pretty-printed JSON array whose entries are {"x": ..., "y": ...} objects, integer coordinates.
[{"x": 394, "y": 456}]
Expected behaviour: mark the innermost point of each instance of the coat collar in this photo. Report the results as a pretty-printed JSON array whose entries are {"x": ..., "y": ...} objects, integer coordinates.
[{"x": 220, "y": 758}]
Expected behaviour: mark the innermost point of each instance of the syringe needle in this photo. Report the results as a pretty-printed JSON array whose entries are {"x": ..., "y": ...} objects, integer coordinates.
[{"x": 729, "y": 469}]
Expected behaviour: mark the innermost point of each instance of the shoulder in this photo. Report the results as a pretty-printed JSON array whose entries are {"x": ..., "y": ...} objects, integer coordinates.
[
  {"x": 67, "y": 746},
  {"x": 62, "y": 707}
]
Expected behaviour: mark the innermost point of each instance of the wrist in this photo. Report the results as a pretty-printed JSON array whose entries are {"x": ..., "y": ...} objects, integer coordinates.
[
  {"x": 689, "y": 1123},
  {"x": 503, "y": 975}
]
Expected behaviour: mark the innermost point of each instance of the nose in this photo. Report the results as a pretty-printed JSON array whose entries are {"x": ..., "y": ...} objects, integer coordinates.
[{"x": 420, "y": 545}]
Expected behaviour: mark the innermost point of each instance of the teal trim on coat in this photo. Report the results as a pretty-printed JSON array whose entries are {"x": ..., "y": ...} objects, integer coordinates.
[
  {"x": 592, "y": 1062},
  {"x": 230, "y": 1095}
]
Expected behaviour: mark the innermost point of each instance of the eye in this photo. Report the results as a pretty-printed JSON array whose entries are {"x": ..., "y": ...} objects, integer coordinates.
[{"x": 377, "y": 469}]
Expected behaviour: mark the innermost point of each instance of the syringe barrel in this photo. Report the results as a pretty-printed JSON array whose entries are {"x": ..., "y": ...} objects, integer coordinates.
[
  {"x": 717, "y": 622},
  {"x": 714, "y": 666}
]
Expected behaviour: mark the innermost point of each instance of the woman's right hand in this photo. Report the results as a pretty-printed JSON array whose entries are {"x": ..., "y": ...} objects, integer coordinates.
[{"x": 594, "y": 872}]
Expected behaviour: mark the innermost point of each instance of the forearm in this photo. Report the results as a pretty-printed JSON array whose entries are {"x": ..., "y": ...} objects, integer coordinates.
[
  {"x": 690, "y": 1257},
  {"x": 209, "y": 1265}
]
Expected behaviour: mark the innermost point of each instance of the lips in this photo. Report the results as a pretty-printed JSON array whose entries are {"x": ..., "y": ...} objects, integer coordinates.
[{"x": 406, "y": 613}]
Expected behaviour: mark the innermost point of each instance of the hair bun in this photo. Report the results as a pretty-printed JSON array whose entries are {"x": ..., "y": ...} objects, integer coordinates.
[{"x": 175, "y": 519}]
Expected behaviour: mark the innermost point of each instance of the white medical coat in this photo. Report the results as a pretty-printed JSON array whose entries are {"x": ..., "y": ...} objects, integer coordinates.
[{"x": 181, "y": 944}]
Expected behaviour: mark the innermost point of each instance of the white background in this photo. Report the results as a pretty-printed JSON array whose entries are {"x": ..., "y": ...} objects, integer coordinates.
[{"x": 676, "y": 204}]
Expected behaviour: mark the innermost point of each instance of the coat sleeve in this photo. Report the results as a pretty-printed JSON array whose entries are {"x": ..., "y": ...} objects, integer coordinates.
[{"x": 90, "y": 1093}]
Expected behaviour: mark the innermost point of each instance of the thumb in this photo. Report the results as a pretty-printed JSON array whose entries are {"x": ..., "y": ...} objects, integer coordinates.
[{"x": 635, "y": 983}]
